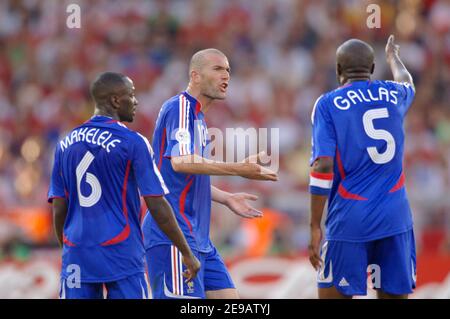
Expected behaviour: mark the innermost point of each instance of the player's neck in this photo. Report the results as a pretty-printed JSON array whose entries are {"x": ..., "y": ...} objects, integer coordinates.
[
  {"x": 102, "y": 112},
  {"x": 356, "y": 77},
  {"x": 205, "y": 102},
  {"x": 355, "y": 80}
]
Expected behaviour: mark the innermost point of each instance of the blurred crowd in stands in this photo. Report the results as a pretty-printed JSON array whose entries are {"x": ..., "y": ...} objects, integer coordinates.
[{"x": 282, "y": 57}]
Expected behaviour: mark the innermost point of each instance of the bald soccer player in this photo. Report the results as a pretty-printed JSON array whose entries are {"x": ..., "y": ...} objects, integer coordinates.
[
  {"x": 357, "y": 156},
  {"x": 181, "y": 142}
]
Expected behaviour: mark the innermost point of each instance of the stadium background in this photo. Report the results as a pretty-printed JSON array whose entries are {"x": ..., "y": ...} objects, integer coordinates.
[{"x": 282, "y": 58}]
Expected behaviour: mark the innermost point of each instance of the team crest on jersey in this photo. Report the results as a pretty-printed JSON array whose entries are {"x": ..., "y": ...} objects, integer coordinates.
[
  {"x": 183, "y": 136},
  {"x": 190, "y": 287}
]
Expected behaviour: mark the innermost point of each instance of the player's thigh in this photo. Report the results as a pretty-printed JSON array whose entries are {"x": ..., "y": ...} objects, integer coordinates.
[
  {"x": 80, "y": 290},
  {"x": 383, "y": 295},
  {"x": 229, "y": 293},
  {"x": 344, "y": 269},
  {"x": 132, "y": 287},
  {"x": 218, "y": 282},
  {"x": 165, "y": 273},
  {"x": 331, "y": 293},
  {"x": 394, "y": 265}
]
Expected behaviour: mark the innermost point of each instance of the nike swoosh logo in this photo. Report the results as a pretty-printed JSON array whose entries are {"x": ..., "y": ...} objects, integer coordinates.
[{"x": 167, "y": 293}]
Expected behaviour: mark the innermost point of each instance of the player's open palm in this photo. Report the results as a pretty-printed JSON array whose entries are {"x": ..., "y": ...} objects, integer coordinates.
[
  {"x": 193, "y": 266},
  {"x": 392, "y": 49},
  {"x": 314, "y": 247},
  {"x": 238, "y": 204}
]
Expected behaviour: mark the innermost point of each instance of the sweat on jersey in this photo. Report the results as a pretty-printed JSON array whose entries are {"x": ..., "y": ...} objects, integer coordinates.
[
  {"x": 360, "y": 126},
  {"x": 99, "y": 168},
  {"x": 181, "y": 130}
]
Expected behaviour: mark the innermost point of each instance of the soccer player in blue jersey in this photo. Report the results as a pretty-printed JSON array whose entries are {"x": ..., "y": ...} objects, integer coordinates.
[
  {"x": 357, "y": 165},
  {"x": 180, "y": 142},
  {"x": 98, "y": 171}
]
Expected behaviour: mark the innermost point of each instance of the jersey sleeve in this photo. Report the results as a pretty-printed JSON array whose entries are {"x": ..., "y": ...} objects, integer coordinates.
[
  {"x": 406, "y": 95},
  {"x": 323, "y": 139},
  {"x": 179, "y": 124},
  {"x": 148, "y": 177},
  {"x": 56, "y": 188}
]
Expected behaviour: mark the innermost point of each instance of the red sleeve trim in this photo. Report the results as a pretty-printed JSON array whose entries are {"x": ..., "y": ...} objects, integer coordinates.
[{"x": 327, "y": 176}]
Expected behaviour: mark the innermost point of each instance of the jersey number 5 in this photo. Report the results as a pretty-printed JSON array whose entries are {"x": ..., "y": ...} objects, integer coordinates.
[
  {"x": 378, "y": 134},
  {"x": 96, "y": 193}
]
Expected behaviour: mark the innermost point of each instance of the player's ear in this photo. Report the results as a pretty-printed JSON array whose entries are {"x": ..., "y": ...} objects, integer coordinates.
[
  {"x": 114, "y": 99},
  {"x": 373, "y": 68},
  {"x": 195, "y": 76},
  {"x": 338, "y": 69},
  {"x": 338, "y": 73}
]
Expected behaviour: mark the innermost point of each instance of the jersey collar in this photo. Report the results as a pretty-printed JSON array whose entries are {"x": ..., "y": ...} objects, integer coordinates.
[
  {"x": 102, "y": 118},
  {"x": 194, "y": 101}
]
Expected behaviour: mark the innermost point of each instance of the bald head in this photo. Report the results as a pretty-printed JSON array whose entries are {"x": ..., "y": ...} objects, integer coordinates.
[
  {"x": 355, "y": 59},
  {"x": 200, "y": 58}
]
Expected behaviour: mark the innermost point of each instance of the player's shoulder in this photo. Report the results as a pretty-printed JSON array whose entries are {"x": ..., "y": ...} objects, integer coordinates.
[
  {"x": 394, "y": 84},
  {"x": 136, "y": 137},
  {"x": 179, "y": 105},
  {"x": 141, "y": 142},
  {"x": 120, "y": 129},
  {"x": 319, "y": 103},
  {"x": 328, "y": 96},
  {"x": 176, "y": 110},
  {"x": 323, "y": 100},
  {"x": 172, "y": 104}
]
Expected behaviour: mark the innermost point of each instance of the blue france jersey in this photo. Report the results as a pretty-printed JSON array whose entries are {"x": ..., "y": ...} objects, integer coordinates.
[
  {"x": 181, "y": 130},
  {"x": 360, "y": 125},
  {"x": 99, "y": 168}
]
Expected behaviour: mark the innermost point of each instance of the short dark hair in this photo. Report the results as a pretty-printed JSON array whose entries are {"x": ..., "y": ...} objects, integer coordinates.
[
  {"x": 355, "y": 55},
  {"x": 105, "y": 84}
]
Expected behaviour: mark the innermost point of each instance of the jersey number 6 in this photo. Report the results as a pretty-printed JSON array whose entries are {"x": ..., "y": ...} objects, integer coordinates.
[
  {"x": 96, "y": 193},
  {"x": 378, "y": 134}
]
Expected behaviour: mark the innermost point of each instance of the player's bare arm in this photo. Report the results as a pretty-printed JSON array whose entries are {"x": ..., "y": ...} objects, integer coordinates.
[
  {"x": 165, "y": 218},
  {"x": 195, "y": 164},
  {"x": 323, "y": 165},
  {"x": 399, "y": 71},
  {"x": 236, "y": 202},
  {"x": 59, "y": 207}
]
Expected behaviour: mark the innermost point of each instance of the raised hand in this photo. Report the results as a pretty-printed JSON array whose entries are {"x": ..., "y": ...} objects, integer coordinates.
[{"x": 392, "y": 49}]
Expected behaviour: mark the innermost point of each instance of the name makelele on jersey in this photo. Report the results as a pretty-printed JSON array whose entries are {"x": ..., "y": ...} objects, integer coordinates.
[
  {"x": 93, "y": 136},
  {"x": 354, "y": 97}
]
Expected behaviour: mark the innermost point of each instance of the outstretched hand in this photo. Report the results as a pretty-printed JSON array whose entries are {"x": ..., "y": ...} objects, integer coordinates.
[
  {"x": 255, "y": 158},
  {"x": 256, "y": 171},
  {"x": 392, "y": 49},
  {"x": 238, "y": 204}
]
